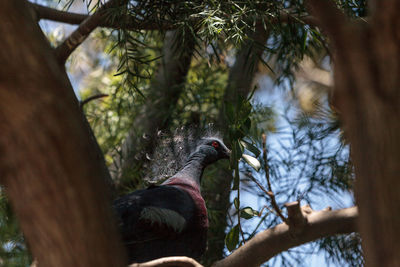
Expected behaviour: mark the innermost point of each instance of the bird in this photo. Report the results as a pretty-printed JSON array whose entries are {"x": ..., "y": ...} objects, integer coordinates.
[{"x": 170, "y": 219}]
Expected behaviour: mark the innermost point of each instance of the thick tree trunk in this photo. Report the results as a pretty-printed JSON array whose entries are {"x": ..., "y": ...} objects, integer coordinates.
[
  {"x": 46, "y": 159},
  {"x": 367, "y": 94},
  {"x": 165, "y": 91}
]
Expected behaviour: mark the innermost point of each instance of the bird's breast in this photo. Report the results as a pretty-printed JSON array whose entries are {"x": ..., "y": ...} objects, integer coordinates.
[{"x": 192, "y": 188}]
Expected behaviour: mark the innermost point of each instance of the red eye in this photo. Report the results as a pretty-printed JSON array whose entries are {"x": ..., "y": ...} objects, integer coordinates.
[{"x": 215, "y": 144}]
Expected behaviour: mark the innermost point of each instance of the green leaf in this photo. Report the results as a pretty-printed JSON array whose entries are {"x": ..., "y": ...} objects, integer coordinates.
[
  {"x": 232, "y": 238},
  {"x": 236, "y": 203},
  {"x": 252, "y": 161},
  {"x": 248, "y": 213},
  {"x": 250, "y": 147}
]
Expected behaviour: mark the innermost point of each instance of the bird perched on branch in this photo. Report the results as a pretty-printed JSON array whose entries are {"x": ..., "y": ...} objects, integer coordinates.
[{"x": 170, "y": 219}]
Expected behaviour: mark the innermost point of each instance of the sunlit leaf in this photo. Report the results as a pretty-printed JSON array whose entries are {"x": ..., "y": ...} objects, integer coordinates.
[
  {"x": 248, "y": 213},
  {"x": 250, "y": 147},
  {"x": 236, "y": 203},
  {"x": 232, "y": 238},
  {"x": 252, "y": 161}
]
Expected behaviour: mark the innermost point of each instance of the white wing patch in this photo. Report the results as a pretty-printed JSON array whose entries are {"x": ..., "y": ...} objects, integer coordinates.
[{"x": 164, "y": 216}]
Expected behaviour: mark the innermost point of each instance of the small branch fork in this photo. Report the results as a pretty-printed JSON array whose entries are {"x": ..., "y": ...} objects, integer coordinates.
[{"x": 76, "y": 38}]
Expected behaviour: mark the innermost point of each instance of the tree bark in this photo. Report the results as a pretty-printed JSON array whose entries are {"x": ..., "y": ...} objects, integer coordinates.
[
  {"x": 367, "y": 82},
  {"x": 47, "y": 164},
  {"x": 156, "y": 115}
]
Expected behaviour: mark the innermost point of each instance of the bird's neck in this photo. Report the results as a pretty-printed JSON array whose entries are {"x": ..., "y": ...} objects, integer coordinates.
[{"x": 193, "y": 168}]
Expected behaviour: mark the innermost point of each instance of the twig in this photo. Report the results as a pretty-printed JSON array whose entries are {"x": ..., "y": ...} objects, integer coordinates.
[
  {"x": 269, "y": 209},
  {"x": 87, "y": 100},
  {"x": 64, "y": 50},
  {"x": 272, "y": 198},
  {"x": 269, "y": 192},
  {"x": 266, "y": 167},
  {"x": 239, "y": 224}
]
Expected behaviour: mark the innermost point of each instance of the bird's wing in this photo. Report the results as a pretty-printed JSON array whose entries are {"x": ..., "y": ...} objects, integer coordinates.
[{"x": 158, "y": 212}]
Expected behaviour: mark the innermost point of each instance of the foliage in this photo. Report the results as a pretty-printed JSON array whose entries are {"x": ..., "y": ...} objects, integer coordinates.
[
  {"x": 13, "y": 251},
  {"x": 343, "y": 250},
  {"x": 238, "y": 118}
]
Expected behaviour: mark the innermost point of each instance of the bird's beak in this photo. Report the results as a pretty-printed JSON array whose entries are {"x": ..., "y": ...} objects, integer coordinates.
[{"x": 227, "y": 154}]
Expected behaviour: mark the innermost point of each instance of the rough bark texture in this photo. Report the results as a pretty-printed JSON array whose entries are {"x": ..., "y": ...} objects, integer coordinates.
[
  {"x": 367, "y": 94},
  {"x": 165, "y": 91},
  {"x": 46, "y": 159},
  {"x": 240, "y": 82}
]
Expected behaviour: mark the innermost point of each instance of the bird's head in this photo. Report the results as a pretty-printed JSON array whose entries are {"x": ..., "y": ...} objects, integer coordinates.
[{"x": 213, "y": 149}]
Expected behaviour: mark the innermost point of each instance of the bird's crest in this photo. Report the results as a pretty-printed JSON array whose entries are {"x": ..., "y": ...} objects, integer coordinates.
[{"x": 174, "y": 149}]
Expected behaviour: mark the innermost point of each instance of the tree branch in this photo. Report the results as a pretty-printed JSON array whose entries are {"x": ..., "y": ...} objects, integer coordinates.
[
  {"x": 272, "y": 241},
  {"x": 94, "y": 97},
  {"x": 43, "y": 12},
  {"x": 64, "y": 50},
  {"x": 169, "y": 262}
]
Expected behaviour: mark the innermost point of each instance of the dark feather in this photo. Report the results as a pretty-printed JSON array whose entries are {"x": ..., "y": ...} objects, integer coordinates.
[{"x": 170, "y": 219}]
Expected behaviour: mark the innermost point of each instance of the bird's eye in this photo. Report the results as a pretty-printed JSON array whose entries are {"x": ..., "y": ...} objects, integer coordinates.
[{"x": 215, "y": 144}]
